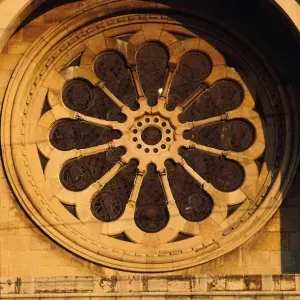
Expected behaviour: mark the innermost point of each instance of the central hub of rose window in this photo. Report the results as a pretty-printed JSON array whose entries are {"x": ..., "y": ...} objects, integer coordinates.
[{"x": 152, "y": 134}]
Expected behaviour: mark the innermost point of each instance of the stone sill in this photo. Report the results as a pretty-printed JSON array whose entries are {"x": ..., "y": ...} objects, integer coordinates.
[
  {"x": 159, "y": 286},
  {"x": 159, "y": 295}
]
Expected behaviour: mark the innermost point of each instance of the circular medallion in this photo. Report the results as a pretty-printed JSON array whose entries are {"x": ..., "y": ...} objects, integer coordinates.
[
  {"x": 75, "y": 176},
  {"x": 227, "y": 94},
  {"x": 195, "y": 66},
  {"x": 106, "y": 207},
  {"x": 151, "y": 219},
  {"x": 77, "y": 94},
  {"x": 196, "y": 207},
  {"x": 239, "y": 135},
  {"x": 109, "y": 66},
  {"x": 227, "y": 176},
  {"x": 65, "y": 135}
]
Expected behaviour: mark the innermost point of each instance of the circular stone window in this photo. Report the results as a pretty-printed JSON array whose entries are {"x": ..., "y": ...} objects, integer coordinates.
[{"x": 138, "y": 146}]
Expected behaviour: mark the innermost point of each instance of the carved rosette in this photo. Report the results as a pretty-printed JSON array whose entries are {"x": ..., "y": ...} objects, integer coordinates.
[{"x": 149, "y": 136}]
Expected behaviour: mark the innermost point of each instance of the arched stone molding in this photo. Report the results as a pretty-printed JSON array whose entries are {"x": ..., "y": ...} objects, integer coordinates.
[{"x": 11, "y": 16}]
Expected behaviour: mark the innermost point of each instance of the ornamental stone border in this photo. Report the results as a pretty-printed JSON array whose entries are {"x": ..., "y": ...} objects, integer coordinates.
[{"x": 153, "y": 287}]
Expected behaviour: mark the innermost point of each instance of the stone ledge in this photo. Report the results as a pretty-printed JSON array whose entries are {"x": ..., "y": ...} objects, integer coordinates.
[
  {"x": 161, "y": 296},
  {"x": 162, "y": 286}
]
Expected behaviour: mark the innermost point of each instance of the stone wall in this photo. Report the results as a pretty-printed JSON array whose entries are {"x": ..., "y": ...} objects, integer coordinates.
[{"x": 27, "y": 253}]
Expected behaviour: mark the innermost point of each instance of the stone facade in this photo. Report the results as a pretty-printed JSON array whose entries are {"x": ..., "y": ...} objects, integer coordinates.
[{"x": 34, "y": 266}]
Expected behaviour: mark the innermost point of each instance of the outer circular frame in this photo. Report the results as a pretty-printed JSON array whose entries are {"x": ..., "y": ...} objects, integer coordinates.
[{"x": 50, "y": 54}]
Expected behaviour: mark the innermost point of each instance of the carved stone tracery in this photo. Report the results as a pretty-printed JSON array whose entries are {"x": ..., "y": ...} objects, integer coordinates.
[{"x": 153, "y": 134}]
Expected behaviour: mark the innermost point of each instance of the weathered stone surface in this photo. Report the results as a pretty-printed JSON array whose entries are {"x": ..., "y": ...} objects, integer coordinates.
[
  {"x": 160, "y": 285},
  {"x": 244, "y": 283},
  {"x": 216, "y": 283},
  {"x": 284, "y": 282},
  {"x": 26, "y": 254},
  {"x": 229, "y": 287}
]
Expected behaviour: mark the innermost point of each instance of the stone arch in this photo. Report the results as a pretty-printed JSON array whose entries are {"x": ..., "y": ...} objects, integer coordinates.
[{"x": 13, "y": 16}]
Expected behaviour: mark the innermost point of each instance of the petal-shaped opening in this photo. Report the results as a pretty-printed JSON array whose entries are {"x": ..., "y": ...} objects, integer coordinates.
[
  {"x": 194, "y": 204},
  {"x": 194, "y": 67},
  {"x": 79, "y": 95},
  {"x": 109, "y": 204},
  {"x": 235, "y": 135},
  {"x": 68, "y": 134},
  {"x": 110, "y": 67},
  {"x": 227, "y": 94},
  {"x": 225, "y": 175},
  {"x": 151, "y": 213},
  {"x": 152, "y": 60},
  {"x": 223, "y": 96},
  {"x": 77, "y": 174}
]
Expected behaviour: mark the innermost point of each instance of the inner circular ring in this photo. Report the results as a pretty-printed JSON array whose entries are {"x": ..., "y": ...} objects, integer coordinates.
[{"x": 151, "y": 135}]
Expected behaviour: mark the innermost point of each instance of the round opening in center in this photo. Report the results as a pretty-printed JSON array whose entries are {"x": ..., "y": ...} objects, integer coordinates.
[{"x": 151, "y": 135}]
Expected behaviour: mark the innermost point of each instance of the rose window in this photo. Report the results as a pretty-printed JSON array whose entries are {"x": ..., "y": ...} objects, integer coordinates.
[
  {"x": 150, "y": 136},
  {"x": 135, "y": 143}
]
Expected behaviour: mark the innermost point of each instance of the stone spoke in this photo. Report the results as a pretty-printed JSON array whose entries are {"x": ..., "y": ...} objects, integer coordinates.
[
  {"x": 77, "y": 153},
  {"x": 109, "y": 94},
  {"x": 228, "y": 154},
  {"x": 203, "y": 183},
  {"x": 191, "y": 99},
  {"x": 208, "y": 121},
  {"x": 100, "y": 148},
  {"x": 94, "y": 121},
  {"x": 136, "y": 81},
  {"x": 99, "y": 122},
  {"x": 241, "y": 112},
  {"x": 166, "y": 186},
  {"x": 168, "y": 82},
  {"x": 136, "y": 188},
  {"x": 111, "y": 173}
]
